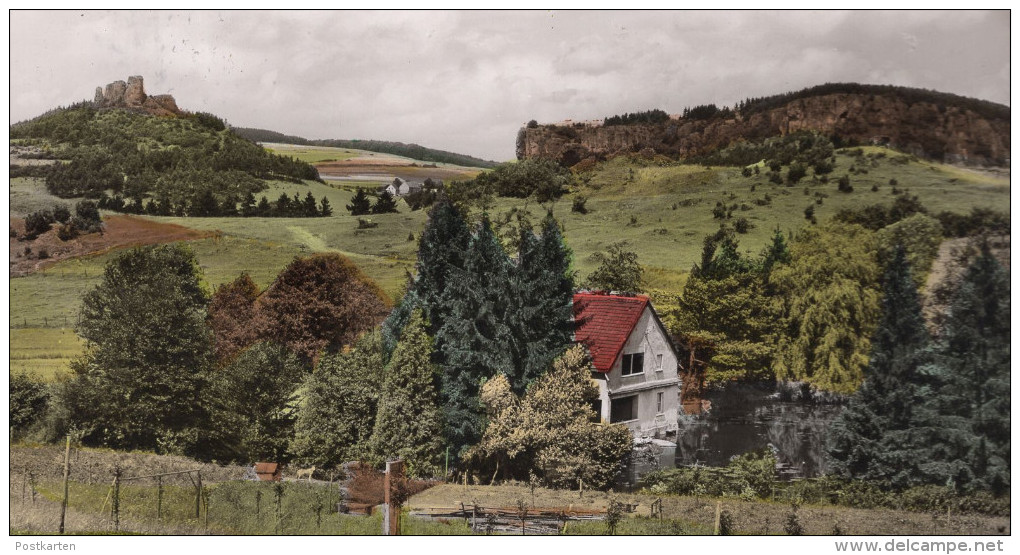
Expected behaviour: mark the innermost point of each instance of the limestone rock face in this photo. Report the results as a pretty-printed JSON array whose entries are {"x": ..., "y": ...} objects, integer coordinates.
[
  {"x": 135, "y": 94},
  {"x": 131, "y": 95},
  {"x": 946, "y": 133}
]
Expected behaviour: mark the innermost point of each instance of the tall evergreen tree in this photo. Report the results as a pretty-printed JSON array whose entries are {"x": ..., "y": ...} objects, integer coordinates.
[
  {"x": 476, "y": 337},
  {"x": 308, "y": 206},
  {"x": 409, "y": 422},
  {"x": 886, "y": 432},
  {"x": 385, "y": 204},
  {"x": 441, "y": 249},
  {"x": 974, "y": 353},
  {"x": 543, "y": 319},
  {"x": 325, "y": 209},
  {"x": 264, "y": 208},
  {"x": 360, "y": 204}
]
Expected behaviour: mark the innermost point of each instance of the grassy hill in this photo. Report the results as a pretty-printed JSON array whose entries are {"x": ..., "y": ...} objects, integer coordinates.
[
  {"x": 411, "y": 150},
  {"x": 662, "y": 211}
]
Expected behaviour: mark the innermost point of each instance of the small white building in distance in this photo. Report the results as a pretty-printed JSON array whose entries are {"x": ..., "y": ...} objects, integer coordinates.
[{"x": 635, "y": 363}]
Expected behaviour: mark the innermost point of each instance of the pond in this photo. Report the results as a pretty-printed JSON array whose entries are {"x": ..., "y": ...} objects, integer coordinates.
[{"x": 741, "y": 418}]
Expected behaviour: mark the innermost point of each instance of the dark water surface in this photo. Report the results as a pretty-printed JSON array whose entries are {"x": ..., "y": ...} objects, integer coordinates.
[{"x": 743, "y": 418}]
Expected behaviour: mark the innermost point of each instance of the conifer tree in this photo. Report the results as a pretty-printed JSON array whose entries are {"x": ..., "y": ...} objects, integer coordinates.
[
  {"x": 441, "y": 249},
  {"x": 886, "y": 432},
  {"x": 543, "y": 321},
  {"x": 974, "y": 355},
  {"x": 309, "y": 208},
  {"x": 360, "y": 204},
  {"x": 248, "y": 205},
  {"x": 325, "y": 209},
  {"x": 385, "y": 204},
  {"x": 476, "y": 338},
  {"x": 264, "y": 208},
  {"x": 409, "y": 422}
]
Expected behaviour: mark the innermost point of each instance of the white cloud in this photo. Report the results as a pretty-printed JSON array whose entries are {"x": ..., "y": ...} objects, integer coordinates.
[{"x": 464, "y": 81}]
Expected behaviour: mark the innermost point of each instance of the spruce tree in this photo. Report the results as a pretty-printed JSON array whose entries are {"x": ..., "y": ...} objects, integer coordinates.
[
  {"x": 886, "y": 432},
  {"x": 476, "y": 337},
  {"x": 385, "y": 204},
  {"x": 441, "y": 250},
  {"x": 309, "y": 208},
  {"x": 360, "y": 205},
  {"x": 409, "y": 422},
  {"x": 264, "y": 208},
  {"x": 974, "y": 356},
  {"x": 324, "y": 207},
  {"x": 543, "y": 320}
]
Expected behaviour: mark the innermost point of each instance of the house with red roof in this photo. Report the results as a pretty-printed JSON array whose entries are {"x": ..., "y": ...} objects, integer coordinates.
[{"x": 635, "y": 363}]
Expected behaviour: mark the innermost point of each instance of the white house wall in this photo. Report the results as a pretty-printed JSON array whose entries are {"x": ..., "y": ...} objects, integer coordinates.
[{"x": 649, "y": 338}]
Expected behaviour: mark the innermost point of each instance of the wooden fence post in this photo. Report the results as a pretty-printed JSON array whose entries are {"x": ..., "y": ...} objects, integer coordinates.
[
  {"x": 391, "y": 514},
  {"x": 116, "y": 498},
  {"x": 159, "y": 499},
  {"x": 718, "y": 514},
  {"x": 198, "y": 495},
  {"x": 67, "y": 472}
]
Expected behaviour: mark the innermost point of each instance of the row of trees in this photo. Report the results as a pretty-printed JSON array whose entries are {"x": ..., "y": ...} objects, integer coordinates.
[
  {"x": 934, "y": 410},
  {"x": 771, "y": 317},
  {"x": 490, "y": 314},
  {"x": 86, "y": 219},
  {"x": 166, "y": 367},
  {"x": 361, "y": 204},
  {"x": 216, "y": 376},
  {"x": 205, "y": 204}
]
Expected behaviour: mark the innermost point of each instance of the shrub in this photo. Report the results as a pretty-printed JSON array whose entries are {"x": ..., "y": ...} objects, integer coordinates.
[
  {"x": 774, "y": 177},
  {"x": 796, "y": 172},
  {"x": 61, "y": 214},
  {"x": 14, "y": 232},
  {"x": 67, "y": 232},
  {"x": 746, "y": 172},
  {"x": 28, "y": 401},
  {"x": 43, "y": 253},
  {"x": 742, "y": 225},
  {"x": 578, "y": 205},
  {"x": 844, "y": 185},
  {"x": 37, "y": 223},
  {"x": 726, "y": 524}
]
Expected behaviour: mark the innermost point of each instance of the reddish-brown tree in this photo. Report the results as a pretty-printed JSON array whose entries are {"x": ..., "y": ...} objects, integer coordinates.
[
  {"x": 319, "y": 303},
  {"x": 232, "y": 317}
]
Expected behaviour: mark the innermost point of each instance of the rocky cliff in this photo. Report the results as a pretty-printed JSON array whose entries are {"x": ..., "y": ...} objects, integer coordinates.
[
  {"x": 932, "y": 129},
  {"x": 131, "y": 95}
]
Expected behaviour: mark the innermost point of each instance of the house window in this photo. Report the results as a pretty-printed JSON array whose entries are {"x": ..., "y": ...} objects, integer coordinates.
[
  {"x": 633, "y": 364},
  {"x": 658, "y": 402},
  {"x": 623, "y": 409},
  {"x": 658, "y": 363}
]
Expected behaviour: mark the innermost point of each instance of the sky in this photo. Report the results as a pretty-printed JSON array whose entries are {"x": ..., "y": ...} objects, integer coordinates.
[{"x": 467, "y": 81}]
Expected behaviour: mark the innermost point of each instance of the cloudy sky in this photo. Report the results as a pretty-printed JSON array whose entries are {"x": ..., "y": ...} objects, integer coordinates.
[{"x": 466, "y": 81}]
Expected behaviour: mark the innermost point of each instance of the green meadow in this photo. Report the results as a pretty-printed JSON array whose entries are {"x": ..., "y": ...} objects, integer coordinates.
[{"x": 662, "y": 212}]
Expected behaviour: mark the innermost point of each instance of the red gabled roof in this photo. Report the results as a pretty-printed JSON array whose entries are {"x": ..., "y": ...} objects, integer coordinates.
[{"x": 604, "y": 322}]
